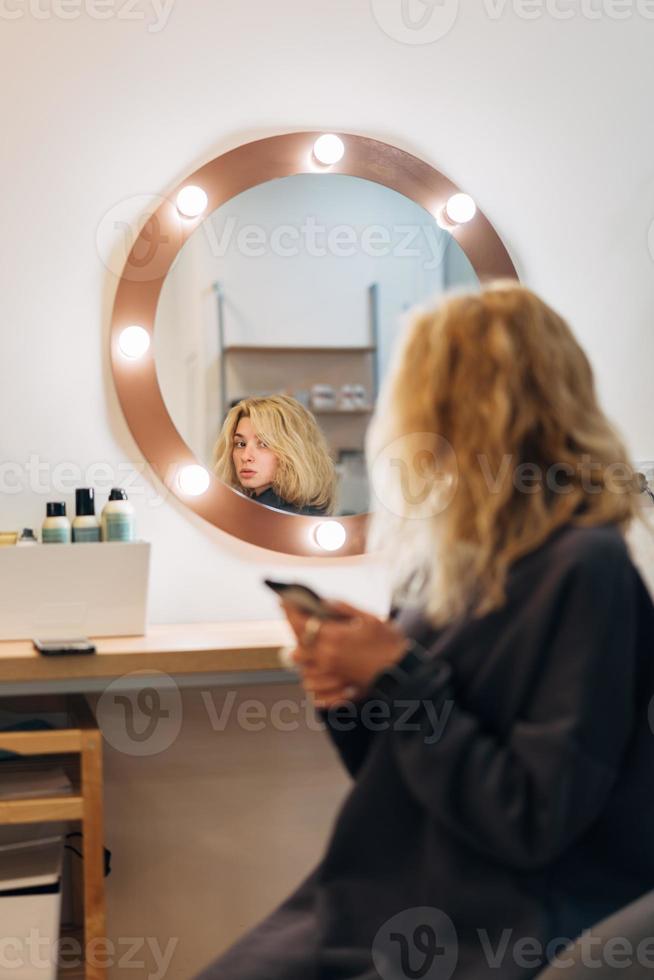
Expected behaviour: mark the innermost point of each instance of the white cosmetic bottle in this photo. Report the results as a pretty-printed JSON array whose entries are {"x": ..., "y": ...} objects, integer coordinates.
[
  {"x": 56, "y": 526},
  {"x": 118, "y": 522}
]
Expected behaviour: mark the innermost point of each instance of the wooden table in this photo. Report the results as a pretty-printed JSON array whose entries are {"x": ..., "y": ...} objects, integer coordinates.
[
  {"x": 195, "y": 653},
  {"x": 198, "y": 653}
]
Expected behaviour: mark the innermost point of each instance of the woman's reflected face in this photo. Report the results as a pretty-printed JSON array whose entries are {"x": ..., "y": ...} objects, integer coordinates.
[{"x": 254, "y": 463}]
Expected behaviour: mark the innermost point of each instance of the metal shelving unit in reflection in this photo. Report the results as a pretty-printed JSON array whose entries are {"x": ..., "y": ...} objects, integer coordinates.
[{"x": 297, "y": 357}]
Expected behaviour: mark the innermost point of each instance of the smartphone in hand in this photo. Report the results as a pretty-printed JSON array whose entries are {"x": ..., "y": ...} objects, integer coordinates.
[{"x": 305, "y": 599}]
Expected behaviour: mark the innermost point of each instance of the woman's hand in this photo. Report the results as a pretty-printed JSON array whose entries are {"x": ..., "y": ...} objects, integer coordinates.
[{"x": 346, "y": 655}]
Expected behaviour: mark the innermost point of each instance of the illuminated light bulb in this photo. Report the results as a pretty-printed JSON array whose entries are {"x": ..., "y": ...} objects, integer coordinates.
[
  {"x": 328, "y": 149},
  {"x": 330, "y": 535},
  {"x": 193, "y": 480},
  {"x": 460, "y": 209},
  {"x": 133, "y": 342},
  {"x": 191, "y": 201}
]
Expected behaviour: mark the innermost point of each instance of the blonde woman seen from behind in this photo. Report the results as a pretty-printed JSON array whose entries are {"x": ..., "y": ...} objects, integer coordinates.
[{"x": 497, "y": 730}]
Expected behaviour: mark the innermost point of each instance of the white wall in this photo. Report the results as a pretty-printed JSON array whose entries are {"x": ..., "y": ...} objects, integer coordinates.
[{"x": 545, "y": 122}]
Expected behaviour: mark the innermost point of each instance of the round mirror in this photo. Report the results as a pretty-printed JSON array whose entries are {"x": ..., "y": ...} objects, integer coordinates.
[
  {"x": 296, "y": 287},
  {"x": 275, "y": 277}
]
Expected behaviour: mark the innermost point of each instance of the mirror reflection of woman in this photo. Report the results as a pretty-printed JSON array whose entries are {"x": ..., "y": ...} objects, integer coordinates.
[{"x": 272, "y": 449}]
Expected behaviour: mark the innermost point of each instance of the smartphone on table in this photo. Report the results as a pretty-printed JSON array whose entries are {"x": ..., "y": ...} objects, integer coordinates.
[{"x": 59, "y": 648}]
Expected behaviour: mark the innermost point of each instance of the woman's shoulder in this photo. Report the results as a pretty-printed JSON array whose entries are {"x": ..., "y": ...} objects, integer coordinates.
[
  {"x": 579, "y": 546},
  {"x": 592, "y": 560},
  {"x": 272, "y": 499},
  {"x": 602, "y": 556},
  {"x": 593, "y": 557},
  {"x": 310, "y": 511}
]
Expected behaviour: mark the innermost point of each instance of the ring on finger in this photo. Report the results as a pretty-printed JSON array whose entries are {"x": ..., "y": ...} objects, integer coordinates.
[{"x": 311, "y": 630}]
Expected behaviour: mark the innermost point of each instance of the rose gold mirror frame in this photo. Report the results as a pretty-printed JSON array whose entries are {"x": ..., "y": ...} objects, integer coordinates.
[{"x": 147, "y": 265}]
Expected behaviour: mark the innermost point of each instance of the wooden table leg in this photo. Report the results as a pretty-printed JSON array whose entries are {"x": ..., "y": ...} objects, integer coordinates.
[{"x": 95, "y": 928}]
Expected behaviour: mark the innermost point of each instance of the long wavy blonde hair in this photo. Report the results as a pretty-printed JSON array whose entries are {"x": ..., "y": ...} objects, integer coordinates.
[
  {"x": 491, "y": 396},
  {"x": 305, "y": 473}
]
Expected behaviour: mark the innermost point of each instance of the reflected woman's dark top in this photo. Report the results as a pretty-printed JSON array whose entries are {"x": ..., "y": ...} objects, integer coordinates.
[{"x": 272, "y": 499}]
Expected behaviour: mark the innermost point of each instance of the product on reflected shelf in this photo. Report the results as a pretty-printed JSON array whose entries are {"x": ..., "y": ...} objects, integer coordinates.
[
  {"x": 118, "y": 522},
  {"x": 56, "y": 526},
  {"x": 323, "y": 397},
  {"x": 360, "y": 396},
  {"x": 346, "y": 398},
  {"x": 7, "y": 538},
  {"x": 86, "y": 526}
]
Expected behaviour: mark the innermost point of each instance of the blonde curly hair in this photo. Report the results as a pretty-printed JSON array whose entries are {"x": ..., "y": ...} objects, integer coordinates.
[{"x": 499, "y": 380}]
